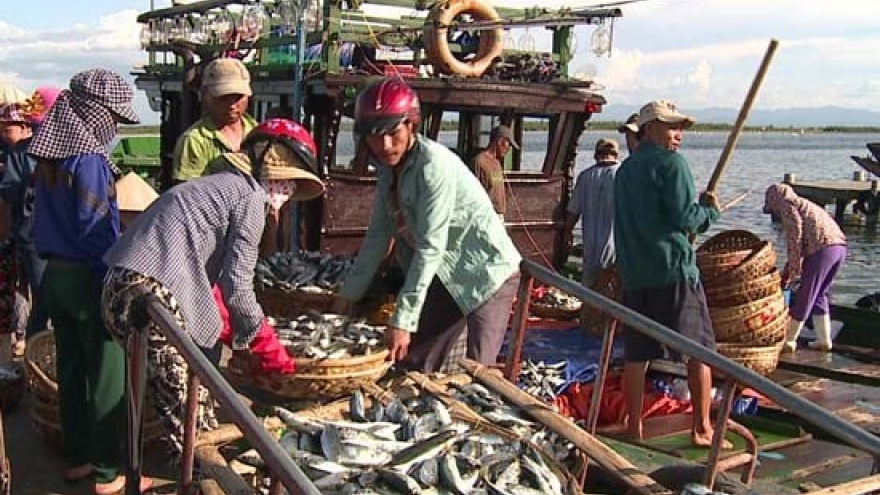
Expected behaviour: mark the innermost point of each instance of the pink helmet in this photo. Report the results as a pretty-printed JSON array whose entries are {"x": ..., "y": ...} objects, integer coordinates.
[
  {"x": 289, "y": 133},
  {"x": 39, "y": 103},
  {"x": 384, "y": 105}
]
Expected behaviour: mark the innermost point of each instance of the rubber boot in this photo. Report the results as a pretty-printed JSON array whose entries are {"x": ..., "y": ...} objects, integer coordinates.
[
  {"x": 794, "y": 329},
  {"x": 822, "y": 326}
]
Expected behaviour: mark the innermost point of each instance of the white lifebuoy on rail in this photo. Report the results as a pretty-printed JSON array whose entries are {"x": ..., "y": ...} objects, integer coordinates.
[{"x": 436, "y": 29}]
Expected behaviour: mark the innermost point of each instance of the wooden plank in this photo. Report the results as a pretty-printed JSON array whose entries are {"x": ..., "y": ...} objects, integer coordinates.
[
  {"x": 855, "y": 487},
  {"x": 614, "y": 463}
]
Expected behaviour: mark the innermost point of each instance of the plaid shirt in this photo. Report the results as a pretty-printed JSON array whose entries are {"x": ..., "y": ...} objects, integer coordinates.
[{"x": 203, "y": 232}]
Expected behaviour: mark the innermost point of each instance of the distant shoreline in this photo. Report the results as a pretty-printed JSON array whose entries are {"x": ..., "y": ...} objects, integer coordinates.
[{"x": 612, "y": 126}]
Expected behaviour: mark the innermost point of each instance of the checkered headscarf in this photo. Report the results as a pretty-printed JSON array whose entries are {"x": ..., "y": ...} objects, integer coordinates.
[{"x": 82, "y": 118}]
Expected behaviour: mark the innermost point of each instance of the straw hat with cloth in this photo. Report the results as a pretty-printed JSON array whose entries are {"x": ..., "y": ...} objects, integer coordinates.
[
  {"x": 286, "y": 156},
  {"x": 84, "y": 117}
]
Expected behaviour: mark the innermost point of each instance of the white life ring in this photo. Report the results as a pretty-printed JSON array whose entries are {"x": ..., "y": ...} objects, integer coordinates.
[{"x": 435, "y": 32}]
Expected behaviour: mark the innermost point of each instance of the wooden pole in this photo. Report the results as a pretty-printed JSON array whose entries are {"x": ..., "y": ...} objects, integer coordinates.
[
  {"x": 743, "y": 114},
  {"x": 615, "y": 464}
]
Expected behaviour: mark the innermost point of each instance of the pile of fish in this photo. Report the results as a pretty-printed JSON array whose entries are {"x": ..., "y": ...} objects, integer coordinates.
[
  {"x": 412, "y": 447},
  {"x": 305, "y": 270},
  {"x": 328, "y": 336},
  {"x": 494, "y": 410},
  {"x": 555, "y": 298},
  {"x": 540, "y": 379}
]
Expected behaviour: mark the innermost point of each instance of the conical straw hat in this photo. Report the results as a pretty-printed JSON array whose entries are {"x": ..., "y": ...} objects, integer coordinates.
[
  {"x": 133, "y": 193},
  {"x": 11, "y": 94}
]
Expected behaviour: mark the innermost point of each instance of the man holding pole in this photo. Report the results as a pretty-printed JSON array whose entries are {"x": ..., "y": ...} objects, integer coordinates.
[{"x": 654, "y": 213}]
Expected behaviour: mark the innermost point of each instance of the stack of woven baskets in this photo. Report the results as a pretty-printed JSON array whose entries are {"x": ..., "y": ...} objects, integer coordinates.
[
  {"x": 746, "y": 302},
  {"x": 42, "y": 376}
]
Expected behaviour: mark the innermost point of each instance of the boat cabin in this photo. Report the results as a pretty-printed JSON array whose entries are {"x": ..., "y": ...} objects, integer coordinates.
[{"x": 310, "y": 65}]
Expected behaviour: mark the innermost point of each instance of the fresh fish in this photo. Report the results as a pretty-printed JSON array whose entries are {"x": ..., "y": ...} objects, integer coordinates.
[
  {"x": 430, "y": 447},
  {"x": 451, "y": 477},
  {"x": 400, "y": 482},
  {"x": 426, "y": 472},
  {"x": 289, "y": 442},
  {"x": 251, "y": 458},
  {"x": 334, "y": 481},
  {"x": 297, "y": 424},
  {"x": 444, "y": 418},
  {"x": 331, "y": 443}
]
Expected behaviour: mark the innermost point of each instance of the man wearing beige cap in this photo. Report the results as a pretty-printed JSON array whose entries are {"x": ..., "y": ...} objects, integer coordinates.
[
  {"x": 630, "y": 130},
  {"x": 655, "y": 212},
  {"x": 226, "y": 91},
  {"x": 488, "y": 166},
  {"x": 592, "y": 201}
]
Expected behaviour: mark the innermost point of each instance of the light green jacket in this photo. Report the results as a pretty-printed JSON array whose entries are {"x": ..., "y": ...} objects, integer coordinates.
[
  {"x": 454, "y": 234},
  {"x": 200, "y": 144}
]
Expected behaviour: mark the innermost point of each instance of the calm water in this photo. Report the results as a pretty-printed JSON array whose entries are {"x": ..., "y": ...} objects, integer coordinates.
[{"x": 761, "y": 159}]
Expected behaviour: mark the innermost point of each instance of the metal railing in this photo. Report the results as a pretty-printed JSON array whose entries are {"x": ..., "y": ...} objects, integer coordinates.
[
  {"x": 814, "y": 414},
  {"x": 201, "y": 371}
]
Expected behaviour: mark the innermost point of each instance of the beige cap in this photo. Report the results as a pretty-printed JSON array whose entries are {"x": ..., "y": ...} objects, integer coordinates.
[
  {"x": 226, "y": 76},
  {"x": 505, "y": 132},
  {"x": 133, "y": 193},
  {"x": 664, "y": 111},
  {"x": 631, "y": 124},
  {"x": 605, "y": 145},
  {"x": 281, "y": 163}
]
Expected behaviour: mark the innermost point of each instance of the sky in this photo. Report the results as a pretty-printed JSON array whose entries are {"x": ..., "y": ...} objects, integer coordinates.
[{"x": 698, "y": 53}]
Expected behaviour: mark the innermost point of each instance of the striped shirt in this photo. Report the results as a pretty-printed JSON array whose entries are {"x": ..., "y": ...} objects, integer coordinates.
[{"x": 200, "y": 233}]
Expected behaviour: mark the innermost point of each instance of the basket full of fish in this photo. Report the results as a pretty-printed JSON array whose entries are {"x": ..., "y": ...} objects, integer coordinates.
[
  {"x": 550, "y": 302},
  {"x": 388, "y": 444},
  {"x": 334, "y": 355},
  {"x": 291, "y": 283}
]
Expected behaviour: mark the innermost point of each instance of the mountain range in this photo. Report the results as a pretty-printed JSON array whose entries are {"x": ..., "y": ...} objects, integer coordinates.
[{"x": 782, "y": 117}]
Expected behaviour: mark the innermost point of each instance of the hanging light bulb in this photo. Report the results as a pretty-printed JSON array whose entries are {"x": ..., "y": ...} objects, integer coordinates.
[
  {"x": 222, "y": 26},
  {"x": 287, "y": 12},
  {"x": 600, "y": 42},
  {"x": 252, "y": 20},
  {"x": 146, "y": 35},
  {"x": 526, "y": 42},
  {"x": 200, "y": 32}
]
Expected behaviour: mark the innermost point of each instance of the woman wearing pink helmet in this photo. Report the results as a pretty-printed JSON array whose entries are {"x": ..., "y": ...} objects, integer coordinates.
[
  {"x": 199, "y": 234},
  {"x": 460, "y": 264}
]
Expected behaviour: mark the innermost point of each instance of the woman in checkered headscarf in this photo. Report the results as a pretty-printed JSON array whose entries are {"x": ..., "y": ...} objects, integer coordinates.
[{"x": 76, "y": 219}]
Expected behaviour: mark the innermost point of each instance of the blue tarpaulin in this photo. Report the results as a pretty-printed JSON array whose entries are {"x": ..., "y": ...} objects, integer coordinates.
[{"x": 579, "y": 350}]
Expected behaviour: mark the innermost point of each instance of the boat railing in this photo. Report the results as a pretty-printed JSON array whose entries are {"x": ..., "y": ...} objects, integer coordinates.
[
  {"x": 735, "y": 373},
  {"x": 203, "y": 372}
]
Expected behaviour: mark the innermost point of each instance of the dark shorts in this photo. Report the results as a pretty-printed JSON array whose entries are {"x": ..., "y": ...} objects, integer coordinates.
[{"x": 680, "y": 306}]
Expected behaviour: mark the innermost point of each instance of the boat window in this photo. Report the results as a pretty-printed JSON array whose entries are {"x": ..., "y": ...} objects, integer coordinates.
[{"x": 345, "y": 145}]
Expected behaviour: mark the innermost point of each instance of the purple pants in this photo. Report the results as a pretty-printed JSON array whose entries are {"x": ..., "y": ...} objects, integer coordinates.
[
  {"x": 818, "y": 272},
  {"x": 441, "y": 324}
]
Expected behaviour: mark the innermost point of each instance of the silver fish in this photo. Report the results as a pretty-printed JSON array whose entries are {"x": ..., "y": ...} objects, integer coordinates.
[{"x": 400, "y": 482}]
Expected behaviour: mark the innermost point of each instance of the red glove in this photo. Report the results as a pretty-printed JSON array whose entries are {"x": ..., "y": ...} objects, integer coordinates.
[{"x": 271, "y": 356}]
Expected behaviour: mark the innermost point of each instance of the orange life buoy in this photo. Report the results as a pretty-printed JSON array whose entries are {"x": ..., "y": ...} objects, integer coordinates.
[{"x": 437, "y": 46}]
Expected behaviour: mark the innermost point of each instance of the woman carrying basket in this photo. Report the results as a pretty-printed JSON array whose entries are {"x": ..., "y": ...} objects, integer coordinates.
[
  {"x": 199, "y": 234},
  {"x": 816, "y": 250}
]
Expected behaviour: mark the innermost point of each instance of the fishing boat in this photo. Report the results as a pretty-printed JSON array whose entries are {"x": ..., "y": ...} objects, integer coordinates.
[
  {"x": 466, "y": 77},
  {"x": 308, "y": 63}
]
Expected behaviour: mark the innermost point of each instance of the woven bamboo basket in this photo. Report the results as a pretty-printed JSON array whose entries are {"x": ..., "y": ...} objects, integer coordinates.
[
  {"x": 315, "y": 379},
  {"x": 760, "y": 262},
  {"x": 743, "y": 292},
  {"x": 755, "y": 322},
  {"x": 734, "y": 254},
  {"x": 281, "y": 304},
  {"x": 593, "y": 320},
  {"x": 39, "y": 363},
  {"x": 762, "y": 359}
]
